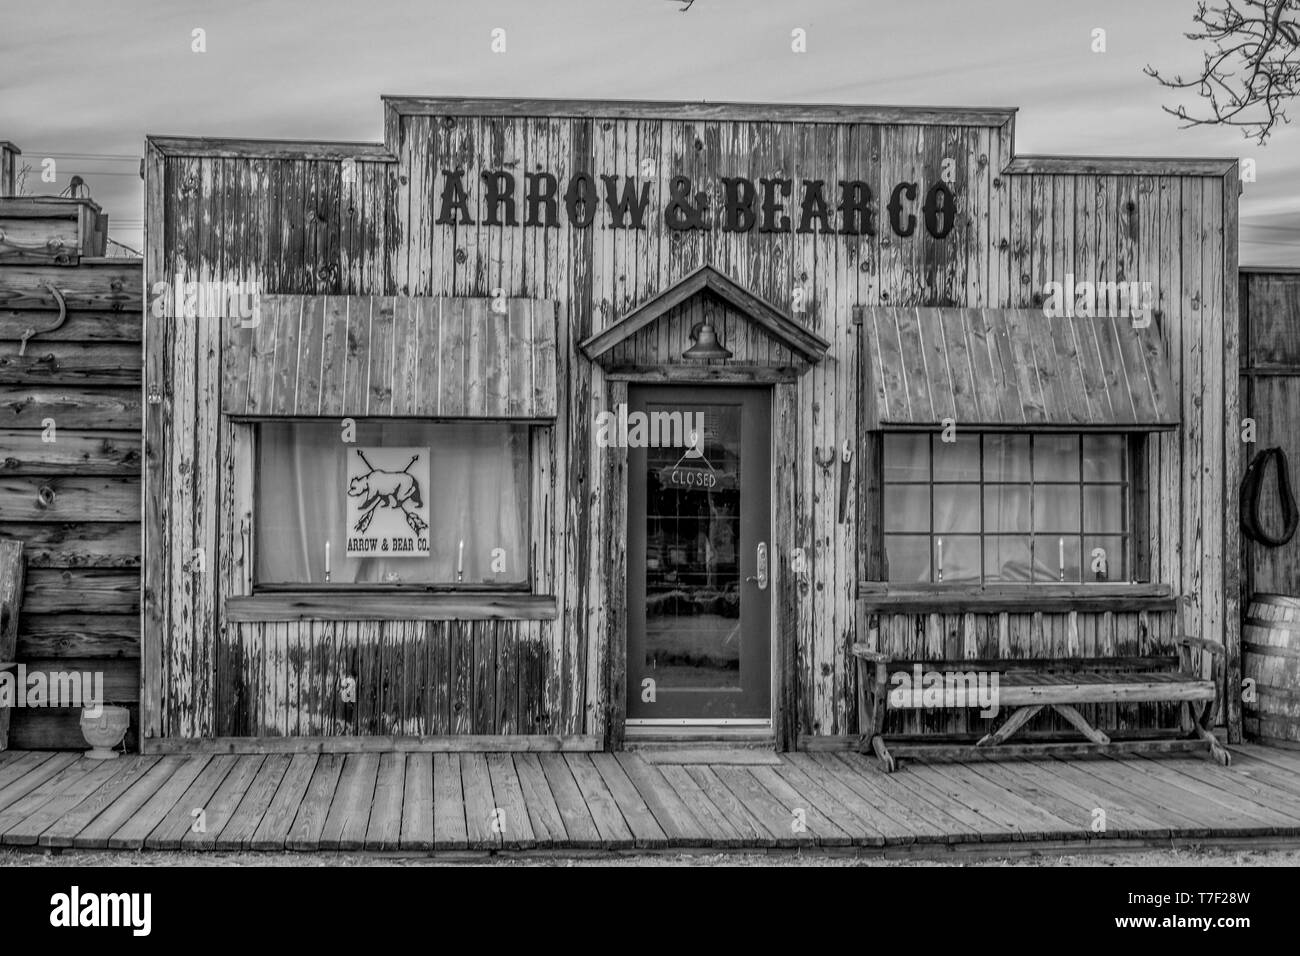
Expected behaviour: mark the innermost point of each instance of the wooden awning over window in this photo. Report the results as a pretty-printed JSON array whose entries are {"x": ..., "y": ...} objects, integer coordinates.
[
  {"x": 1009, "y": 367},
  {"x": 399, "y": 356}
]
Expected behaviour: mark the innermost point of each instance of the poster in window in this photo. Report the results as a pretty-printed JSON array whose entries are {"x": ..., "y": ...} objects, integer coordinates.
[{"x": 387, "y": 505}]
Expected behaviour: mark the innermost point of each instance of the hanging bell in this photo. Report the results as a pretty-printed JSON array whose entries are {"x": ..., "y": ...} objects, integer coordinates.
[{"x": 705, "y": 343}]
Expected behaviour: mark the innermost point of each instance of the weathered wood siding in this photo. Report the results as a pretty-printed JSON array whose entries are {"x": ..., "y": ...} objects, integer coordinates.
[
  {"x": 363, "y": 225},
  {"x": 71, "y": 493},
  {"x": 1270, "y": 394}
]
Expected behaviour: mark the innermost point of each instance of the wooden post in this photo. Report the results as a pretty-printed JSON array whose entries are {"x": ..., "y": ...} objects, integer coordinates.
[
  {"x": 9, "y": 154},
  {"x": 11, "y": 595}
]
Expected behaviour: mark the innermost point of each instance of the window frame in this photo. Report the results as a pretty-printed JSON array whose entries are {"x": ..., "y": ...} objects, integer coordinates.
[
  {"x": 873, "y": 564},
  {"x": 408, "y": 589}
]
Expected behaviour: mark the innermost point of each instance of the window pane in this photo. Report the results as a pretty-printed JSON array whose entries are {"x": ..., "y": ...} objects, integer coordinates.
[
  {"x": 957, "y": 460},
  {"x": 958, "y": 557},
  {"x": 907, "y": 456},
  {"x": 1056, "y": 458},
  {"x": 1051, "y": 553},
  {"x": 1006, "y": 559},
  {"x": 1103, "y": 458},
  {"x": 1006, "y": 508},
  {"x": 426, "y": 500},
  {"x": 1006, "y": 457},
  {"x": 1112, "y": 550},
  {"x": 907, "y": 508},
  {"x": 908, "y": 557},
  {"x": 1103, "y": 508},
  {"x": 956, "y": 508},
  {"x": 1056, "y": 508}
]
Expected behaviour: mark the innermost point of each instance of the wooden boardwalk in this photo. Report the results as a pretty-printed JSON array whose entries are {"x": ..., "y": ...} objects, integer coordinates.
[{"x": 494, "y": 801}]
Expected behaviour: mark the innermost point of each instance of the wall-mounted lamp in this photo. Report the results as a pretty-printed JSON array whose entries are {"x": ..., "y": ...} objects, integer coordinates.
[{"x": 704, "y": 341}]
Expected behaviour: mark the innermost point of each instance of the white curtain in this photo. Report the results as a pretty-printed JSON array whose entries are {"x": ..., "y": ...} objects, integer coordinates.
[{"x": 477, "y": 499}]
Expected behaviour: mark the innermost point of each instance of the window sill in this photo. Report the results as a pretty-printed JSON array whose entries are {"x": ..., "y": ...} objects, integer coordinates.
[
  {"x": 1097, "y": 598},
  {"x": 323, "y": 606}
]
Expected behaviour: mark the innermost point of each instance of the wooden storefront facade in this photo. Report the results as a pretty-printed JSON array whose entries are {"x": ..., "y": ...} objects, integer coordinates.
[{"x": 535, "y": 265}]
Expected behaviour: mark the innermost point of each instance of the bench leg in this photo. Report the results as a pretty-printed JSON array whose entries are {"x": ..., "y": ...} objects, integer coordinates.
[
  {"x": 1013, "y": 723},
  {"x": 887, "y": 763},
  {"x": 1077, "y": 721},
  {"x": 1217, "y": 750},
  {"x": 1200, "y": 727}
]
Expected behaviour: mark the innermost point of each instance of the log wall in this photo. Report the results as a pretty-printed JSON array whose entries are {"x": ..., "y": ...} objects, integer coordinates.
[{"x": 70, "y": 471}]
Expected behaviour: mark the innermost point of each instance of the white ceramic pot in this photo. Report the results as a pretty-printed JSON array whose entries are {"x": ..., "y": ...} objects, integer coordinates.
[{"x": 105, "y": 732}]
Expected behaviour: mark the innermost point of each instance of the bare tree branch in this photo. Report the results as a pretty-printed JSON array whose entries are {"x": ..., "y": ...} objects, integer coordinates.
[{"x": 1250, "y": 72}]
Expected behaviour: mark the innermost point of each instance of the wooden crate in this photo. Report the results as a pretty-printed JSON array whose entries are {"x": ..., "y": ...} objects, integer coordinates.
[{"x": 50, "y": 230}]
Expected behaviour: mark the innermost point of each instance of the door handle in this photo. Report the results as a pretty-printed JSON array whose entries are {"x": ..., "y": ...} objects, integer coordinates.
[{"x": 761, "y": 576}]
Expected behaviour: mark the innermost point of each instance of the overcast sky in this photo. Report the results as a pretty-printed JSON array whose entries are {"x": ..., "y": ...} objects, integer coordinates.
[{"x": 82, "y": 79}]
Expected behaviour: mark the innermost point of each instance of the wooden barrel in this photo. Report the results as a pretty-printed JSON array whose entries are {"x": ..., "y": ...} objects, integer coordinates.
[{"x": 1271, "y": 658}]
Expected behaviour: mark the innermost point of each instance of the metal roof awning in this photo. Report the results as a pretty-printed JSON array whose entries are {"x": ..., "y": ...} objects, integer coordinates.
[{"x": 1001, "y": 368}]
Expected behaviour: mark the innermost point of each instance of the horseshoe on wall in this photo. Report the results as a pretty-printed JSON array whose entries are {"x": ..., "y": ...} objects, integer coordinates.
[{"x": 63, "y": 317}]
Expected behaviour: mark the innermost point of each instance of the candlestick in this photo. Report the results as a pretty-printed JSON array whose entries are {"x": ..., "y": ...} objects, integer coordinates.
[
  {"x": 1060, "y": 551},
  {"x": 327, "y": 562},
  {"x": 939, "y": 542},
  {"x": 460, "y": 561}
]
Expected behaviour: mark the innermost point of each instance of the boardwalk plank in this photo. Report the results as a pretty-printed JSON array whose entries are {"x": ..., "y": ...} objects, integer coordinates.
[
  {"x": 385, "y": 829},
  {"x": 861, "y": 829},
  {"x": 1235, "y": 784},
  {"x": 273, "y": 832},
  {"x": 614, "y": 830},
  {"x": 674, "y": 818},
  {"x": 244, "y": 820},
  {"x": 752, "y": 830},
  {"x": 349, "y": 813},
  {"x": 713, "y": 820},
  {"x": 865, "y": 809},
  {"x": 417, "y": 803},
  {"x": 179, "y": 820},
  {"x": 33, "y": 776},
  {"x": 1125, "y": 788},
  {"x": 18, "y": 765},
  {"x": 820, "y": 823},
  {"x": 449, "y": 830},
  {"x": 1029, "y": 822},
  {"x": 923, "y": 812},
  {"x": 49, "y": 789},
  {"x": 480, "y": 809},
  {"x": 313, "y": 810},
  {"x": 24, "y": 829},
  {"x": 1200, "y": 790},
  {"x": 645, "y": 829},
  {"x": 126, "y": 824},
  {"x": 543, "y": 814},
  {"x": 762, "y": 806},
  {"x": 578, "y": 822},
  {"x": 508, "y": 800},
  {"x": 221, "y": 807},
  {"x": 63, "y": 832}
]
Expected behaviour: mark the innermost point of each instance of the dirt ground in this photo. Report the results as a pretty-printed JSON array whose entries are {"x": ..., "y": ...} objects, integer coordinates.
[{"x": 1174, "y": 856}]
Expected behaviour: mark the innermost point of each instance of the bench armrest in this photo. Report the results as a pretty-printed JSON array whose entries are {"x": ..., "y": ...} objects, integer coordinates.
[
  {"x": 1201, "y": 644},
  {"x": 862, "y": 652}
]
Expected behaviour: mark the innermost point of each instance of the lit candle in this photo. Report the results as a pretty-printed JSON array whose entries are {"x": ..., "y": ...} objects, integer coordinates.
[
  {"x": 460, "y": 560},
  {"x": 1060, "y": 551},
  {"x": 939, "y": 542},
  {"x": 327, "y": 560}
]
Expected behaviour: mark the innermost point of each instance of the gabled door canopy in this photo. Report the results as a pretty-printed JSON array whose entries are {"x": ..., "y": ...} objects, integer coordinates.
[{"x": 806, "y": 344}]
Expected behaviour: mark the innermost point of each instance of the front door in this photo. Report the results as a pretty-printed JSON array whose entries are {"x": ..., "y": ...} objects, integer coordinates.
[{"x": 699, "y": 555}]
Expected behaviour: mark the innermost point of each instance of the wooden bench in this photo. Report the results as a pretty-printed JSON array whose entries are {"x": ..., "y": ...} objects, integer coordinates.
[{"x": 1027, "y": 686}]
